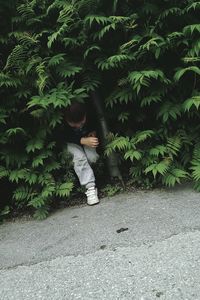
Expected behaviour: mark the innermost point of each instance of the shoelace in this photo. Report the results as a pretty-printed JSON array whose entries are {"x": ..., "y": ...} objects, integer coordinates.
[{"x": 91, "y": 192}]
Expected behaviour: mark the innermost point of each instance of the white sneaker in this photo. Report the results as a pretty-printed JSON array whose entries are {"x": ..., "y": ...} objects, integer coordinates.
[{"x": 92, "y": 197}]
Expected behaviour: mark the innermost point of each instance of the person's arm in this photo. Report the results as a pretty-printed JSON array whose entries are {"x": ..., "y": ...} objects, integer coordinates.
[
  {"x": 92, "y": 133},
  {"x": 89, "y": 141},
  {"x": 71, "y": 137}
]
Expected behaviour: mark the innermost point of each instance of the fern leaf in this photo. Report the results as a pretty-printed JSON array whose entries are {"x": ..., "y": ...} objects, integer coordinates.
[
  {"x": 174, "y": 145},
  {"x": 3, "y": 172},
  {"x": 191, "y": 59},
  {"x": 124, "y": 95},
  {"x": 197, "y": 186},
  {"x": 99, "y": 35},
  {"x": 37, "y": 202},
  {"x": 90, "y": 83},
  {"x": 174, "y": 176},
  {"x": 15, "y": 131},
  {"x": 170, "y": 110},
  {"x": 41, "y": 213},
  {"x": 190, "y": 29},
  {"x": 68, "y": 70},
  {"x": 132, "y": 155},
  {"x": 34, "y": 144},
  {"x": 17, "y": 56},
  {"x": 90, "y": 49},
  {"x": 56, "y": 59},
  {"x": 191, "y": 102},
  {"x": 64, "y": 189},
  {"x": 22, "y": 193},
  {"x": 147, "y": 101},
  {"x": 118, "y": 143},
  {"x": 16, "y": 175},
  {"x": 55, "y": 36},
  {"x": 193, "y": 6},
  {"x": 31, "y": 177},
  {"x": 6, "y": 80},
  {"x": 54, "y": 165},
  {"x": 160, "y": 167},
  {"x": 39, "y": 159},
  {"x": 26, "y": 11},
  {"x": 48, "y": 190},
  {"x": 124, "y": 116},
  {"x": 179, "y": 74},
  {"x": 143, "y": 78},
  {"x": 141, "y": 136},
  {"x": 42, "y": 76},
  {"x": 158, "y": 150},
  {"x": 195, "y": 163},
  {"x": 101, "y": 20},
  {"x": 66, "y": 13}
]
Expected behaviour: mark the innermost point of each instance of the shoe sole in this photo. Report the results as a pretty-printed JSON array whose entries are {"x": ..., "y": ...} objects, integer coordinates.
[{"x": 93, "y": 203}]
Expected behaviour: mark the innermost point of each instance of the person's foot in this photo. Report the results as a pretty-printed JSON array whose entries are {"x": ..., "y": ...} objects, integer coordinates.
[{"x": 92, "y": 197}]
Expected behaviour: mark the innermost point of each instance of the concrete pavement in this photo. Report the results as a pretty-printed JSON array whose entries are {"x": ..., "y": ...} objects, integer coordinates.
[{"x": 143, "y": 245}]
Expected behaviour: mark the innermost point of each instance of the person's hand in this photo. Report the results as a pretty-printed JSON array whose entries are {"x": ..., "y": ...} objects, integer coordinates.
[{"x": 90, "y": 141}]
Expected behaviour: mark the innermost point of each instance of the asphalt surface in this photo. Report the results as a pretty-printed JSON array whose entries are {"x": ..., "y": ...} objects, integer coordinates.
[{"x": 142, "y": 246}]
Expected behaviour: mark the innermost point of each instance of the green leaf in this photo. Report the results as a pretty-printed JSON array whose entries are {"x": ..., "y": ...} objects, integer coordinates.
[
  {"x": 141, "y": 136},
  {"x": 174, "y": 145},
  {"x": 5, "y": 211},
  {"x": 39, "y": 159},
  {"x": 158, "y": 150},
  {"x": 3, "y": 116},
  {"x": 22, "y": 193},
  {"x": 179, "y": 74},
  {"x": 16, "y": 175},
  {"x": 124, "y": 116},
  {"x": 191, "y": 102},
  {"x": 56, "y": 59},
  {"x": 169, "y": 110},
  {"x": 3, "y": 172},
  {"x": 15, "y": 131},
  {"x": 48, "y": 190},
  {"x": 64, "y": 189},
  {"x": 99, "y": 35},
  {"x": 118, "y": 143},
  {"x": 67, "y": 70},
  {"x": 190, "y": 29},
  {"x": 90, "y": 49},
  {"x": 34, "y": 144},
  {"x": 160, "y": 167},
  {"x": 174, "y": 176},
  {"x": 37, "y": 202},
  {"x": 41, "y": 213},
  {"x": 133, "y": 154},
  {"x": 98, "y": 19}
]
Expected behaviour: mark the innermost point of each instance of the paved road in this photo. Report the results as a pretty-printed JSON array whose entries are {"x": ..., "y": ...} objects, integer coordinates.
[{"x": 141, "y": 246}]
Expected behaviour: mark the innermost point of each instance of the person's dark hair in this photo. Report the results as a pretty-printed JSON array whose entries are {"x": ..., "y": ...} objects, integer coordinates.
[{"x": 75, "y": 112}]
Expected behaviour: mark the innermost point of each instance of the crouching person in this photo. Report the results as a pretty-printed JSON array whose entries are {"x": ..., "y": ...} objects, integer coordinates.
[{"x": 82, "y": 143}]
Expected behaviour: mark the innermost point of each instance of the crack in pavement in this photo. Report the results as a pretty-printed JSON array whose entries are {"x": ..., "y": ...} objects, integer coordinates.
[{"x": 147, "y": 244}]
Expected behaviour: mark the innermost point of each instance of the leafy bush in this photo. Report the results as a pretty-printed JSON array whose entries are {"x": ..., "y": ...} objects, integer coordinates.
[{"x": 143, "y": 56}]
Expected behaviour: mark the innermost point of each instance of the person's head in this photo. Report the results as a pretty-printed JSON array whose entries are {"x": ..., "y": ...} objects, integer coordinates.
[{"x": 75, "y": 114}]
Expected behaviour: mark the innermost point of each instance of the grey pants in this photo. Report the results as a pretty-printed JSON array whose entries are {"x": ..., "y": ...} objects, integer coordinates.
[{"x": 82, "y": 158}]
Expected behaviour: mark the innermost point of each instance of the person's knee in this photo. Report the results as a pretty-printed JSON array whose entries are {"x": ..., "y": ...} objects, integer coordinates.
[
  {"x": 80, "y": 160},
  {"x": 77, "y": 153},
  {"x": 93, "y": 159}
]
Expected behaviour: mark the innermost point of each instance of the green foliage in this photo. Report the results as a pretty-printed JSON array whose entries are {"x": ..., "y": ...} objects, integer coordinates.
[
  {"x": 5, "y": 211},
  {"x": 111, "y": 190},
  {"x": 143, "y": 56}
]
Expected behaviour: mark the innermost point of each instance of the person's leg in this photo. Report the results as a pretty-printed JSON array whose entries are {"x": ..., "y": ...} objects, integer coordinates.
[
  {"x": 91, "y": 154},
  {"x": 82, "y": 166},
  {"x": 92, "y": 157}
]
